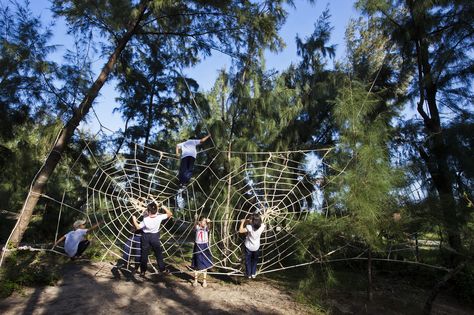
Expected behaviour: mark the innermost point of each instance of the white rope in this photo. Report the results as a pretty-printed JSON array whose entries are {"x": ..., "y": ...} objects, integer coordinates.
[{"x": 276, "y": 181}]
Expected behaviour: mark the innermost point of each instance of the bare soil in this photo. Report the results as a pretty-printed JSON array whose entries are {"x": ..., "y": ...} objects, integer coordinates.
[
  {"x": 93, "y": 288},
  {"x": 99, "y": 288}
]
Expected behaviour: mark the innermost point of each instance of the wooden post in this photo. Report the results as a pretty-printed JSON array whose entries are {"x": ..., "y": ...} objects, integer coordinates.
[
  {"x": 226, "y": 217},
  {"x": 417, "y": 254},
  {"x": 369, "y": 276}
]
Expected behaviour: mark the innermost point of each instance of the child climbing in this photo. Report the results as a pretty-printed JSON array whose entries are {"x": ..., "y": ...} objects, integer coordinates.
[
  {"x": 151, "y": 235},
  {"x": 202, "y": 259},
  {"x": 188, "y": 156},
  {"x": 132, "y": 248},
  {"x": 75, "y": 241},
  {"x": 254, "y": 229}
]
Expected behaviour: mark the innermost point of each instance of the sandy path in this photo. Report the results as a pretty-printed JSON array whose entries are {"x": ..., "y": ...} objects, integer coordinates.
[{"x": 93, "y": 289}]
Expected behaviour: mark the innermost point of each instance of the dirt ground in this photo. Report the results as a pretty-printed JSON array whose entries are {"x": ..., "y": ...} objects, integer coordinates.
[
  {"x": 99, "y": 288},
  {"x": 88, "y": 288}
]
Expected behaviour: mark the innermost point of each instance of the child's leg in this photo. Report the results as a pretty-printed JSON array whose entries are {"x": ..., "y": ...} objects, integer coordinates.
[
  {"x": 156, "y": 245},
  {"x": 189, "y": 169},
  {"x": 248, "y": 262},
  {"x": 185, "y": 169},
  {"x": 195, "y": 283},
  {"x": 145, "y": 251},
  {"x": 81, "y": 247},
  {"x": 127, "y": 251},
  {"x": 182, "y": 170},
  {"x": 138, "y": 250},
  {"x": 204, "y": 279},
  {"x": 254, "y": 263}
]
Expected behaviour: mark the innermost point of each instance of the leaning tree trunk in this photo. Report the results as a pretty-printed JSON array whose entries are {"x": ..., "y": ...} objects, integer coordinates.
[
  {"x": 39, "y": 182},
  {"x": 437, "y": 288}
]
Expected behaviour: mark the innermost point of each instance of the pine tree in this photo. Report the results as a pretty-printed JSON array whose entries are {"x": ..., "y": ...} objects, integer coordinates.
[
  {"x": 317, "y": 86},
  {"x": 435, "y": 40},
  {"x": 209, "y": 25}
]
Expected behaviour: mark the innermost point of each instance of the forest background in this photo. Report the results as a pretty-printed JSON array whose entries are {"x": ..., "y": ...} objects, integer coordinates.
[{"x": 407, "y": 176}]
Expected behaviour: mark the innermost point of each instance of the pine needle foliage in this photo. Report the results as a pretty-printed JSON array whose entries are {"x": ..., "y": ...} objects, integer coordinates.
[{"x": 368, "y": 179}]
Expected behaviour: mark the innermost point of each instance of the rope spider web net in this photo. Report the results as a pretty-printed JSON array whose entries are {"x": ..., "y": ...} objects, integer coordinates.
[
  {"x": 286, "y": 188},
  {"x": 281, "y": 186}
]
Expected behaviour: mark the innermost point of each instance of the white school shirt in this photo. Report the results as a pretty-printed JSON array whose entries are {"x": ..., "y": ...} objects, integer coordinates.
[
  {"x": 72, "y": 241},
  {"x": 252, "y": 241},
  {"x": 151, "y": 224},
  {"x": 188, "y": 148},
  {"x": 202, "y": 235}
]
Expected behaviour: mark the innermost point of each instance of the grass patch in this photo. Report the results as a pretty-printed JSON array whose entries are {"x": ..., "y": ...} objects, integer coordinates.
[{"x": 27, "y": 269}]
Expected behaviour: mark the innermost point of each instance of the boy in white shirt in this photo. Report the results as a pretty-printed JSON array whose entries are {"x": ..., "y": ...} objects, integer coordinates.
[
  {"x": 188, "y": 156},
  {"x": 254, "y": 229},
  {"x": 76, "y": 243},
  {"x": 151, "y": 235}
]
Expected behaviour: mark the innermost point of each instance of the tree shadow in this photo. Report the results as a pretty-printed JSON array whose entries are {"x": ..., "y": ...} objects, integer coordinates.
[{"x": 97, "y": 288}]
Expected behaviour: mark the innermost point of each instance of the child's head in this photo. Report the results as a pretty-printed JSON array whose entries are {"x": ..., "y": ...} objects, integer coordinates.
[
  {"x": 256, "y": 221},
  {"x": 152, "y": 208},
  {"x": 202, "y": 221},
  {"x": 79, "y": 224}
]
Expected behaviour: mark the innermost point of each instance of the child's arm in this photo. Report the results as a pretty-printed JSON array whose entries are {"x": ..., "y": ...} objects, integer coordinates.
[
  {"x": 59, "y": 241},
  {"x": 205, "y": 138},
  {"x": 92, "y": 228},
  {"x": 168, "y": 212},
  {"x": 242, "y": 228},
  {"x": 209, "y": 223},
  {"x": 178, "y": 148},
  {"x": 135, "y": 222}
]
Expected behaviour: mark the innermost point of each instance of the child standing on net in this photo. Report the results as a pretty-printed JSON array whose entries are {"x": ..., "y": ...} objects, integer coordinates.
[
  {"x": 150, "y": 227},
  {"x": 188, "y": 156},
  {"x": 75, "y": 241},
  {"x": 254, "y": 229},
  {"x": 202, "y": 259}
]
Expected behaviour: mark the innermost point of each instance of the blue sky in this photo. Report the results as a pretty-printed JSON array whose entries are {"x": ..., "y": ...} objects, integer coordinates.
[{"x": 300, "y": 21}]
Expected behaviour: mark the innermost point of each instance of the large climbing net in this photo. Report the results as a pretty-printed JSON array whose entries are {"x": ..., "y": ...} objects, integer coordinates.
[{"x": 283, "y": 187}]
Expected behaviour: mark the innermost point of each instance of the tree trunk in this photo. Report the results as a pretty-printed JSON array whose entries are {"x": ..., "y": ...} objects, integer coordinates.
[
  {"x": 436, "y": 158},
  {"x": 437, "y": 288},
  {"x": 149, "y": 122},
  {"x": 370, "y": 294},
  {"x": 226, "y": 224},
  {"x": 122, "y": 140},
  {"x": 39, "y": 182}
]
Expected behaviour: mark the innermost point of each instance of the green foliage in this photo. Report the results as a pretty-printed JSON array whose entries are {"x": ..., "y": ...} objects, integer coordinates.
[
  {"x": 435, "y": 44},
  {"x": 96, "y": 251},
  {"x": 26, "y": 269},
  {"x": 320, "y": 235},
  {"x": 317, "y": 88},
  {"x": 368, "y": 178},
  {"x": 464, "y": 284},
  {"x": 310, "y": 291},
  {"x": 23, "y": 65},
  {"x": 28, "y": 149}
]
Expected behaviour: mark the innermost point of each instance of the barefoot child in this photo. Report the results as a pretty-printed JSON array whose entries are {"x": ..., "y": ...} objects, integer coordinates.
[
  {"x": 151, "y": 235},
  {"x": 202, "y": 259},
  {"x": 254, "y": 229},
  {"x": 76, "y": 243}
]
